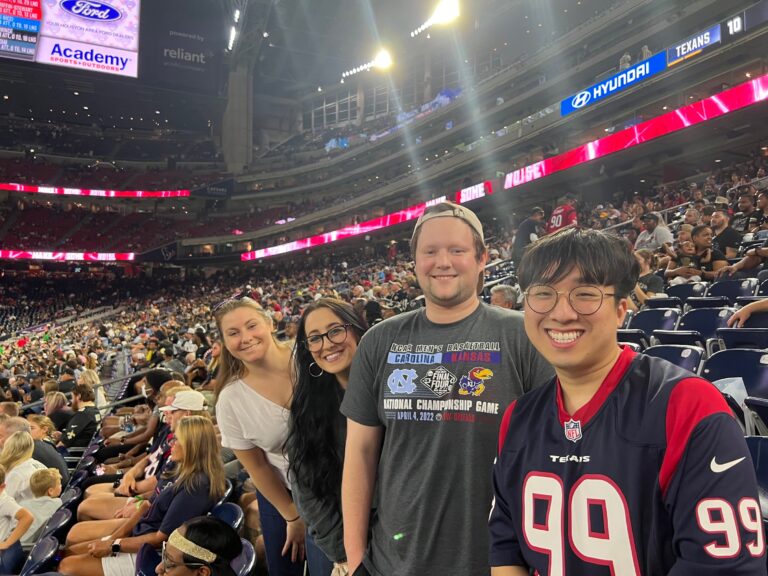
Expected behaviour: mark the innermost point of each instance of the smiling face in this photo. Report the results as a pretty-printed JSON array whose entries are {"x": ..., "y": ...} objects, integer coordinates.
[
  {"x": 447, "y": 266},
  {"x": 247, "y": 335},
  {"x": 570, "y": 341},
  {"x": 334, "y": 357}
]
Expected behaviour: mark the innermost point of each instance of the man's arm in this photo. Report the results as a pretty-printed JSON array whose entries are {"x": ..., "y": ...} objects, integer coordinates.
[
  {"x": 361, "y": 461},
  {"x": 509, "y": 571}
]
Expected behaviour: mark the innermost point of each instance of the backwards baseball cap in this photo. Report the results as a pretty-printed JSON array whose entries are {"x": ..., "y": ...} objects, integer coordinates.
[
  {"x": 651, "y": 216},
  {"x": 186, "y": 400},
  {"x": 450, "y": 210}
]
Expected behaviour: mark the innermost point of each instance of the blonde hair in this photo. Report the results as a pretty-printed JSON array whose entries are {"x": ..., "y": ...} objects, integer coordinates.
[
  {"x": 50, "y": 386},
  {"x": 230, "y": 368},
  {"x": 2, "y": 474},
  {"x": 43, "y": 480},
  {"x": 54, "y": 401},
  {"x": 90, "y": 377},
  {"x": 43, "y": 422},
  {"x": 202, "y": 455},
  {"x": 18, "y": 448}
]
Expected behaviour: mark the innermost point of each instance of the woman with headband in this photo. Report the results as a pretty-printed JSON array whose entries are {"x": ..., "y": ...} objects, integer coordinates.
[{"x": 204, "y": 546}]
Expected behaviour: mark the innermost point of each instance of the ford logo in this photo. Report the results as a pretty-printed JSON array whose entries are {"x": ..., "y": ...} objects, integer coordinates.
[{"x": 91, "y": 10}]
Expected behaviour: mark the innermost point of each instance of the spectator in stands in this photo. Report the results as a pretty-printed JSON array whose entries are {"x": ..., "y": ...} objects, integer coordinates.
[
  {"x": 706, "y": 214},
  {"x": 10, "y": 409},
  {"x": 761, "y": 223},
  {"x": 450, "y": 255},
  {"x": 14, "y": 522},
  {"x": 108, "y": 547},
  {"x": 170, "y": 362},
  {"x": 649, "y": 283},
  {"x": 683, "y": 268},
  {"x": 691, "y": 217},
  {"x": 91, "y": 378},
  {"x": 709, "y": 259},
  {"x": 204, "y": 544},
  {"x": 746, "y": 219},
  {"x": 564, "y": 215},
  {"x": 84, "y": 422},
  {"x": 528, "y": 232},
  {"x": 654, "y": 234},
  {"x": 504, "y": 296},
  {"x": 725, "y": 238},
  {"x": 254, "y": 395},
  {"x": 327, "y": 339},
  {"x": 57, "y": 410},
  {"x": 45, "y": 449},
  {"x": 16, "y": 459},
  {"x": 67, "y": 381},
  {"x": 45, "y": 485}
]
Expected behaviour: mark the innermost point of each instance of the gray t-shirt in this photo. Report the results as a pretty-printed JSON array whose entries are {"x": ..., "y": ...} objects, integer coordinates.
[{"x": 439, "y": 391}]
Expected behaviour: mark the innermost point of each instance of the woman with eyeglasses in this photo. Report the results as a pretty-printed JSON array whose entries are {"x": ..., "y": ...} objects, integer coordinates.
[
  {"x": 204, "y": 546},
  {"x": 326, "y": 342},
  {"x": 254, "y": 390}
]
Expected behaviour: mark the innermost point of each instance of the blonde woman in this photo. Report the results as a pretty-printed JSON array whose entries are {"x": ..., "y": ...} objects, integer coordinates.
[
  {"x": 254, "y": 390},
  {"x": 109, "y": 547},
  {"x": 42, "y": 428},
  {"x": 19, "y": 465},
  {"x": 56, "y": 408},
  {"x": 91, "y": 377}
]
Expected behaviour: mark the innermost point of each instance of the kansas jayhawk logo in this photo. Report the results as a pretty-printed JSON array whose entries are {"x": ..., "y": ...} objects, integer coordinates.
[{"x": 473, "y": 383}]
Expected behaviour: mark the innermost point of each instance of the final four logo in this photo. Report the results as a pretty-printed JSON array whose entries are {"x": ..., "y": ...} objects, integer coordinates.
[{"x": 439, "y": 380}]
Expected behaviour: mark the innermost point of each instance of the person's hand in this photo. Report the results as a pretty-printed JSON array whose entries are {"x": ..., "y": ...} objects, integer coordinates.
[
  {"x": 4, "y": 545},
  {"x": 100, "y": 548},
  {"x": 56, "y": 436},
  {"x": 739, "y": 317},
  {"x": 294, "y": 540},
  {"x": 725, "y": 271},
  {"x": 340, "y": 569}
]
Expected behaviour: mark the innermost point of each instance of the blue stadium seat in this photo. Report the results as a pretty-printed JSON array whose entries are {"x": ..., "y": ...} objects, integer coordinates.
[
  {"x": 243, "y": 564},
  {"x": 732, "y": 289},
  {"x": 763, "y": 289},
  {"x": 744, "y": 300},
  {"x": 749, "y": 365},
  {"x": 757, "y": 320},
  {"x": 70, "y": 498},
  {"x": 147, "y": 560},
  {"x": 230, "y": 513},
  {"x": 758, "y": 449},
  {"x": 643, "y": 324},
  {"x": 707, "y": 302},
  {"x": 755, "y": 338},
  {"x": 759, "y": 408},
  {"x": 41, "y": 557},
  {"x": 685, "y": 291},
  {"x": 664, "y": 302},
  {"x": 697, "y": 327},
  {"x": 58, "y": 524},
  {"x": 686, "y": 357}
]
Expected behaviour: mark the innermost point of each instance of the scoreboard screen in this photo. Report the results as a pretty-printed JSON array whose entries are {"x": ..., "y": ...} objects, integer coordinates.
[{"x": 750, "y": 19}]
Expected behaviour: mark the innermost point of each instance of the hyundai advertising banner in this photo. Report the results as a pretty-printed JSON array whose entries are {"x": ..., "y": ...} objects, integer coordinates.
[{"x": 82, "y": 34}]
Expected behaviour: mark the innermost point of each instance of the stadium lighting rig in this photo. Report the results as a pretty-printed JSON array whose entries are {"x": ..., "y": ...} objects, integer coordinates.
[
  {"x": 382, "y": 61},
  {"x": 446, "y": 12}
]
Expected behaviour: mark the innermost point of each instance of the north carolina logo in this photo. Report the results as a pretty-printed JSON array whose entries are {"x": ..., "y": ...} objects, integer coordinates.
[
  {"x": 581, "y": 99},
  {"x": 473, "y": 383},
  {"x": 401, "y": 381},
  {"x": 439, "y": 380},
  {"x": 573, "y": 430}
]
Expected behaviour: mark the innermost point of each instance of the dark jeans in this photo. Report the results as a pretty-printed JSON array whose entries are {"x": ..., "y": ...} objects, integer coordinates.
[
  {"x": 273, "y": 528},
  {"x": 12, "y": 559},
  {"x": 317, "y": 561}
]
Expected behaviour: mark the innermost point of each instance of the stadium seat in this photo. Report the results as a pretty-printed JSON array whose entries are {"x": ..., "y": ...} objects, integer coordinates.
[
  {"x": 243, "y": 564},
  {"x": 230, "y": 513},
  {"x": 147, "y": 560},
  {"x": 57, "y": 524},
  {"x": 633, "y": 345},
  {"x": 732, "y": 289},
  {"x": 697, "y": 327},
  {"x": 757, "y": 320},
  {"x": 664, "y": 302},
  {"x": 763, "y": 289},
  {"x": 41, "y": 557},
  {"x": 759, "y": 409},
  {"x": 755, "y": 338},
  {"x": 643, "y": 324},
  {"x": 227, "y": 493},
  {"x": 70, "y": 498},
  {"x": 685, "y": 291},
  {"x": 686, "y": 357},
  {"x": 749, "y": 365},
  {"x": 758, "y": 449},
  {"x": 707, "y": 302},
  {"x": 744, "y": 300}
]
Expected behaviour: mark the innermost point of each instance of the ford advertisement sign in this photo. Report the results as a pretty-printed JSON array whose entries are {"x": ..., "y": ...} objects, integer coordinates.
[
  {"x": 91, "y": 10},
  {"x": 614, "y": 84}
]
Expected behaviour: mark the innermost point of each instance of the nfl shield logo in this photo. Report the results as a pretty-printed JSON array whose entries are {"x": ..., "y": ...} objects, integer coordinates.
[{"x": 573, "y": 430}]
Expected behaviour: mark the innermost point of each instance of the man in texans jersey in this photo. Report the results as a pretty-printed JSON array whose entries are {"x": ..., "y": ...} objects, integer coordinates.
[
  {"x": 625, "y": 464},
  {"x": 564, "y": 215}
]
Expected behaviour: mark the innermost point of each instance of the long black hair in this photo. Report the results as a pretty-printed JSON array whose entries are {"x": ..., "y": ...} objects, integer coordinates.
[
  {"x": 217, "y": 537},
  {"x": 314, "y": 446}
]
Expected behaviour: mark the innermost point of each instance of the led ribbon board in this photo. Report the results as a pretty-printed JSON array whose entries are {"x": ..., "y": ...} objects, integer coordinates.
[
  {"x": 30, "y": 189},
  {"x": 736, "y": 98},
  {"x": 67, "y": 256}
]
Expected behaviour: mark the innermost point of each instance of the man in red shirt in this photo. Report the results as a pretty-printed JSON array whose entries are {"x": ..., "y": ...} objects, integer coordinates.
[{"x": 564, "y": 215}]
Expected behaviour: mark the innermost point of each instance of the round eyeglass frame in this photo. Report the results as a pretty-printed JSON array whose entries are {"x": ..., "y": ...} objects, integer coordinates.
[
  {"x": 341, "y": 329},
  {"x": 569, "y": 294}
]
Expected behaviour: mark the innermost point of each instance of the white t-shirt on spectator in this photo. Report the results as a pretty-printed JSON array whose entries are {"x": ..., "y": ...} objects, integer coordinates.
[
  {"x": 8, "y": 510},
  {"x": 654, "y": 240},
  {"x": 248, "y": 420},
  {"x": 17, "y": 480}
]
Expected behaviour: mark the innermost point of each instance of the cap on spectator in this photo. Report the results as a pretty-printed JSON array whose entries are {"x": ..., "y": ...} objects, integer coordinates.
[
  {"x": 493, "y": 252},
  {"x": 452, "y": 211},
  {"x": 190, "y": 330},
  {"x": 721, "y": 200},
  {"x": 186, "y": 400},
  {"x": 537, "y": 210},
  {"x": 651, "y": 216}
]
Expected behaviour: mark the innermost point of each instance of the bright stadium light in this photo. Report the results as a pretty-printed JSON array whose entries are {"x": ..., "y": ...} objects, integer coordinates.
[
  {"x": 446, "y": 12},
  {"x": 383, "y": 59},
  {"x": 232, "y": 36},
  {"x": 237, "y": 16}
]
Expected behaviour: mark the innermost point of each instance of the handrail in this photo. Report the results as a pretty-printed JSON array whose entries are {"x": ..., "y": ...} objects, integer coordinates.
[{"x": 660, "y": 212}]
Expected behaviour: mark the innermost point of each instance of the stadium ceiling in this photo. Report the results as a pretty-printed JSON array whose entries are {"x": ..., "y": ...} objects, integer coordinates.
[{"x": 303, "y": 44}]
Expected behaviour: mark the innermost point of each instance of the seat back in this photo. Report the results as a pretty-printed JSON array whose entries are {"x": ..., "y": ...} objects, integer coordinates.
[
  {"x": 230, "y": 513},
  {"x": 749, "y": 365},
  {"x": 70, "y": 498},
  {"x": 663, "y": 302},
  {"x": 707, "y": 302},
  {"x": 147, "y": 560},
  {"x": 732, "y": 289},
  {"x": 763, "y": 289},
  {"x": 655, "y": 319},
  {"x": 41, "y": 557},
  {"x": 757, "y": 320},
  {"x": 758, "y": 449},
  {"x": 755, "y": 338},
  {"x": 685, "y": 291},
  {"x": 243, "y": 564},
  {"x": 705, "y": 321},
  {"x": 686, "y": 357},
  {"x": 57, "y": 524}
]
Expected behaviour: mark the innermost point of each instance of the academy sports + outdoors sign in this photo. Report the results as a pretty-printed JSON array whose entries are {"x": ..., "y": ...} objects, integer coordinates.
[{"x": 614, "y": 84}]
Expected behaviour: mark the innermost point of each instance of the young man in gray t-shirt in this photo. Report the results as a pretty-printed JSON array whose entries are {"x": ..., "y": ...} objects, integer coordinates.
[{"x": 424, "y": 404}]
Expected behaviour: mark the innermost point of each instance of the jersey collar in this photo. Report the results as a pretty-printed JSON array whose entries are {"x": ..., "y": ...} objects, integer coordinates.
[{"x": 586, "y": 412}]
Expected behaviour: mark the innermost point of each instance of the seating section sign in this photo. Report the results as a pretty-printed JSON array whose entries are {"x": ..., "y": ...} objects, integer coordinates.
[{"x": 82, "y": 34}]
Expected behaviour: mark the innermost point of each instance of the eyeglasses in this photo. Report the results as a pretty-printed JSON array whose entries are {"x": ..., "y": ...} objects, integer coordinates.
[
  {"x": 336, "y": 335},
  {"x": 170, "y": 564},
  {"x": 585, "y": 300}
]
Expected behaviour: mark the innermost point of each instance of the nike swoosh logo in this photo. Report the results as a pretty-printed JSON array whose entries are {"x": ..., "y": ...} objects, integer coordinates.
[{"x": 718, "y": 468}]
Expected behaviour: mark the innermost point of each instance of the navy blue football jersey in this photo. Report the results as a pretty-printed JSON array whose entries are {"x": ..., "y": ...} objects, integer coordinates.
[{"x": 651, "y": 477}]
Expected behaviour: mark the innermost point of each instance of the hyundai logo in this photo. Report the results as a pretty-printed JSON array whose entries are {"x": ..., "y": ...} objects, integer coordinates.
[
  {"x": 91, "y": 10},
  {"x": 581, "y": 99}
]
